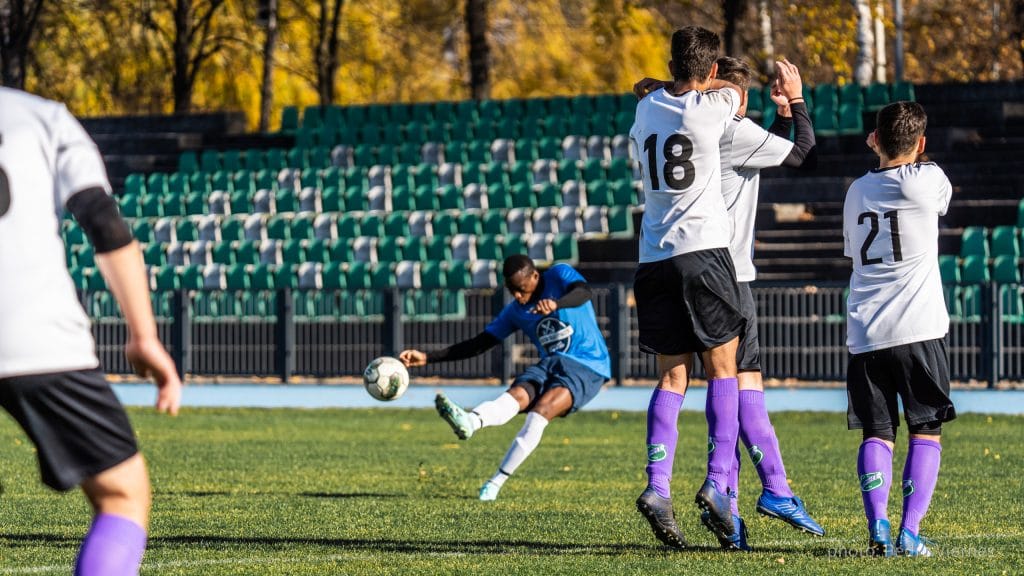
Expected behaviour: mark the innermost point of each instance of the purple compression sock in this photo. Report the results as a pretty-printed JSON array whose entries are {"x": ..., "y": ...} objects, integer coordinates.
[
  {"x": 919, "y": 477},
  {"x": 734, "y": 481},
  {"x": 762, "y": 444},
  {"x": 874, "y": 465},
  {"x": 113, "y": 547},
  {"x": 722, "y": 412},
  {"x": 662, "y": 434}
]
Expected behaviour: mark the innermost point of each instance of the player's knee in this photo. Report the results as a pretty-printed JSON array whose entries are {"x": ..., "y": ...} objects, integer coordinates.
[
  {"x": 125, "y": 486},
  {"x": 926, "y": 429},
  {"x": 886, "y": 433}
]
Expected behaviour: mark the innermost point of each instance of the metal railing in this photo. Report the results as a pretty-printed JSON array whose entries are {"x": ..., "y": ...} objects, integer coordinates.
[{"x": 802, "y": 334}]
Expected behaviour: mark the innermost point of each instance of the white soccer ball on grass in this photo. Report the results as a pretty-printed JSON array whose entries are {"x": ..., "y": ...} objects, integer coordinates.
[{"x": 386, "y": 378}]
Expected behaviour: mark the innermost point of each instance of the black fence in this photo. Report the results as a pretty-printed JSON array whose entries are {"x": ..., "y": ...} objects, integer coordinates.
[{"x": 802, "y": 335}]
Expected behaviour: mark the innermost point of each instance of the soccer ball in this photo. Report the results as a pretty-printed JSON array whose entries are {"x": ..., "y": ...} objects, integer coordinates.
[{"x": 386, "y": 378}]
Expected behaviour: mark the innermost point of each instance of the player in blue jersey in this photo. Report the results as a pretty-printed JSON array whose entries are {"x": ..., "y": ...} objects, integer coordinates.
[{"x": 553, "y": 308}]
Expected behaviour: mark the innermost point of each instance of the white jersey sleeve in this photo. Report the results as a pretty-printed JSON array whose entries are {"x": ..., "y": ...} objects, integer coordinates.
[
  {"x": 746, "y": 149},
  {"x": 46, "y": 157},
  {"x": 78, "y": 162},
  {"x": 676, "y": 139},
  {"x": 891, "y": 232}
]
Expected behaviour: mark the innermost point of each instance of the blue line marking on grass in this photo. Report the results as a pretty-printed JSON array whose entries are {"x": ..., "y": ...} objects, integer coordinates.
[{"x": 629, "y": 399}]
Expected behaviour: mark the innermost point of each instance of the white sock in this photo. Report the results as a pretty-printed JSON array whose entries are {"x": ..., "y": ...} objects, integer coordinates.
[
  {"x": 525, "y": 442},
  {"x": 495, "y": 412}
]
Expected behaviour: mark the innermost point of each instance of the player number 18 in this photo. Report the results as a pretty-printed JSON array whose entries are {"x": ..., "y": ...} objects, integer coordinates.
[{"x": 677, "y": 151}]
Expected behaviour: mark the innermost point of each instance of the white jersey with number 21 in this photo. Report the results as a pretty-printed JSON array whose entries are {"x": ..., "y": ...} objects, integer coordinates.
[
  {"x": 891, "y": 231},
  {"x": 676, "y": 139}
]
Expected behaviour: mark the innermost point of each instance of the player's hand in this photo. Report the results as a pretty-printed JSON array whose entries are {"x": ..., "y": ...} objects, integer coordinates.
[
  {"x": 788, "y": 77},
  {"x": 646, "y": 86},
  {"x": 413, "y": 358},
  {"x": 545, "y": 307},
  {"x": 149, "y": 359},
  {"x": 780, "y": 100}
]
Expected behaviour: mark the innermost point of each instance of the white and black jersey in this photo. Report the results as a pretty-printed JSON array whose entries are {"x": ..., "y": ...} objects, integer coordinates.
[
  {"x": 676, "y": 139},
  {"x": 45, "y": 158},
  {"x": 746, "y": 150},
  {"x": 891, "y": 231}
]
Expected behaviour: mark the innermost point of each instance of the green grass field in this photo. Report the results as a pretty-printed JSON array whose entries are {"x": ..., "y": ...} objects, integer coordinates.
[{"x": 392, "y": 492}]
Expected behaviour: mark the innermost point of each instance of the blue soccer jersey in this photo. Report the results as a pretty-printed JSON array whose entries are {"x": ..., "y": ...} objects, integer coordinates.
[{"x": 572, "y": 332}]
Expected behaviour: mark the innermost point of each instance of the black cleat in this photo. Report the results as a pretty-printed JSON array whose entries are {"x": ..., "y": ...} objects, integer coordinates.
[
  {"x": 716, "y": 504},
  {"x": 658, "y": 511}
]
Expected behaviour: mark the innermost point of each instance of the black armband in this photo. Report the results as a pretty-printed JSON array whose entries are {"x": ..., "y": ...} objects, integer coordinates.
[
  {"x": 97, "y": 214},
  {"x": 475, "y": 346},
  {"x": 579, "y": 294}
]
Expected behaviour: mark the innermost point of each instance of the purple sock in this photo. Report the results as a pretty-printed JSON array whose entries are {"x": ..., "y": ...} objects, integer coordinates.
[
  {"x": 758, "y": 434},
  {"x": 734, "y": 481},
  {"x": 874, "y": 464},
  {"x": 113, "y": 547},
  {"x": 722, "y": 412},
  {"x": 662, "y": 434},
  {"x": 919, "y": 477}
]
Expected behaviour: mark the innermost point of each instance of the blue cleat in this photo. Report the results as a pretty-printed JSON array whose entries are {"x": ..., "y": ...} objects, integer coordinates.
[
  {"x": 737, "y": 541},
  {"x": 880, "y": 539},
  {"x": 716, "y": 504},
  {"x": 910, "y": 544},
  {"x": 455, "y": 416},
  {"x": 489, "y": 491},
  {"x": 790, "y": 511},
  {"x": 658, "y": 512}
]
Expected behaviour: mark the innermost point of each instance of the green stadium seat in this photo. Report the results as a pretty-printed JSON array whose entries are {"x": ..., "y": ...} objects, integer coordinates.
[
  {"x": 240, "y": 203},
  {"x": 289, "y": 119},
  {"x": 949, "y": 269},
  {"x": 755, "y": 102},
  {"x": 564, "y": 248},
  {"x": 519, "y": 172},
  {"x": 876, "y": 96},
  {"x": 599, "y": 193},
  {"x": 129, "y": 205},
  {"x": 1011, "y": 304},
  {"x": 522, "y": 196},
  {"x": 903, "y": 91},
  {"x": 494, "y": 223},
  {"x": 444, "y": 224},
  {"x": 200, "y": 182},
  {"x": 513, "y": 244},
  {"x": 620, "y": 222},
  {"x": 274, "y": 159},
  {"x": 825, "y": 121},
  {"x": 489, "y": 247},
  {"x": 232, "y": 228},
  {"x": 285, "y": 201},
  {"x": 371, "y": 225},
  {"x": 188, "y": 162},
  {"x": 209, "y": 161},
  {"x": 286, "y": 276},
  {"x": 135, "y": 184},
  {"x": 340, "y": 250},
  {"x": 826, "y": 97},
  {"x": 254, "y": 160},
  {"x": 246, "y": 252},
  {"x": 851, "y": 123},
  {"x": 301, "y": 227},
  {"x": 388, "y": 249},
  {"x": 222, "y": 253},
  {"x": 312, "y": 118},
  {"x": 549, "y": 195},
  {"x": 150, "y": 207},
  {"x": 177, "y": 184},
  {"x": 438, "y": 249},
  {"x": 231, "y": 160},
  {"x": 185, "y": 230},
  {"x": 768, "y": 116},
  {"x": 974, "y": 242},
  {"x": 1004, "y": 241},
  {"x": 223, "y": 181},
  {"x": 974, "y": 270},
  {"x": 469, "y": 223},
  {"x": 279, "y": 228},
  {"x": 153, "y": 255},
  {"x": 293, "y": 252},
  {"x": 851, "y": 94},
  {"x": 424, "y": 198},
  {"x": 1005, "y": 270},
  {"x": 449, "y": 198}
]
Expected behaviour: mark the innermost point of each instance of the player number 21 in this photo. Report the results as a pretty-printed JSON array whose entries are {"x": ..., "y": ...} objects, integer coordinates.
[
  {"x": 894, "y": 234},
  {"x": 677, "y": 151}
]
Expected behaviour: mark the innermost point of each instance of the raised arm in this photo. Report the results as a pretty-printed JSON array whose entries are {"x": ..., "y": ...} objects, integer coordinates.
[{"x": 787, "y": 93}]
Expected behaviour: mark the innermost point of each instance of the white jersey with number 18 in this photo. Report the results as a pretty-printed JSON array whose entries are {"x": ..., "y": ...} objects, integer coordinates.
[
  {"x": 676, "y": 139},
  {"x": 45, "y": 158},
  {"x": 891, "y": 231}
]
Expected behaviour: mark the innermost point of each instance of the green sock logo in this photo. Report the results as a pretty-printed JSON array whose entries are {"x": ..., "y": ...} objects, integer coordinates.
[
  {"x": 908, "y": 488},
  {"x": 656, "y": 452},
  {"x": 711, "y": 445},
  {"x": 871, "y": 481},
  {"x": 755, "y": 454}
]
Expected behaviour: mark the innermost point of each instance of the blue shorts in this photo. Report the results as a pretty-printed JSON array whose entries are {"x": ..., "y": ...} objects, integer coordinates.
[{"x": 560, "y": 371}]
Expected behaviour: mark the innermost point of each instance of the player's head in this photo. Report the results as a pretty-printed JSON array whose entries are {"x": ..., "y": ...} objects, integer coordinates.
[
  {"x": 900, "y": 129},
  {"x": 521, "y": 277},
  {"x": 694, "y": 50},
  {"x": 737, "y": 71}
]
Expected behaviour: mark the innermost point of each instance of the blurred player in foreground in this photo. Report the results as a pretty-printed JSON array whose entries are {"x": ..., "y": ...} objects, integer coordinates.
[
  {"x": 897, "y": 323},
  {"x": 50, "y": 380},
  {"x": 553, "y": 309}
]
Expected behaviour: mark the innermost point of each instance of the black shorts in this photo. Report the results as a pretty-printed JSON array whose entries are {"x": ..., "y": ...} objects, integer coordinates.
[
  {"x": 918, "y": 373},
  {"x": 76, "y": 422},
  {"x": 688, "y": 303},
  {"x": 748, "y": 354}
]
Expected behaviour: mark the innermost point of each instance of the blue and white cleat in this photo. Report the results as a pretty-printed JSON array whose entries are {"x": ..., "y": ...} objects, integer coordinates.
[
  {"x": 455, "y": 416},
  {"x": 910, "y": 544},
  {"x": 716, "y": 504},
  {"x": 880, "y": 539},
  {"x": 737, "y": 541},
  {"x": 790, "y": 511},
  {"x": 489, "y": 491}
]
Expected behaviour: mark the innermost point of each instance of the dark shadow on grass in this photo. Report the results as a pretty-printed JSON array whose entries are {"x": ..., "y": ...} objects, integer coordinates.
[
  {"x": 15, "y": 540},
  {"x": 197, "y": 493},
  {"x": 344, "y": 495}
]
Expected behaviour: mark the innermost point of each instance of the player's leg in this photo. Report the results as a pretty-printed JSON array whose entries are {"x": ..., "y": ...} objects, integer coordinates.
[
  {"x": 493, "y": 412},
  {"x": 83, "y": 437},
  {"x": 873, "y": 409},
  {"x": 925, "y": 396},
  {"x": 569, "y": 386},
  {"x": 120, "y": 497}
]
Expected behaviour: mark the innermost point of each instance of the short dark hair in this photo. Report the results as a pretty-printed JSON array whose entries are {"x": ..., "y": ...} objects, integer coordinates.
[
  {"x": 694, "y": 50},
  {"x": 899, "y": 126},
  {"x": 515, "y": 264},
  {"x": 735, "y": 70}
]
